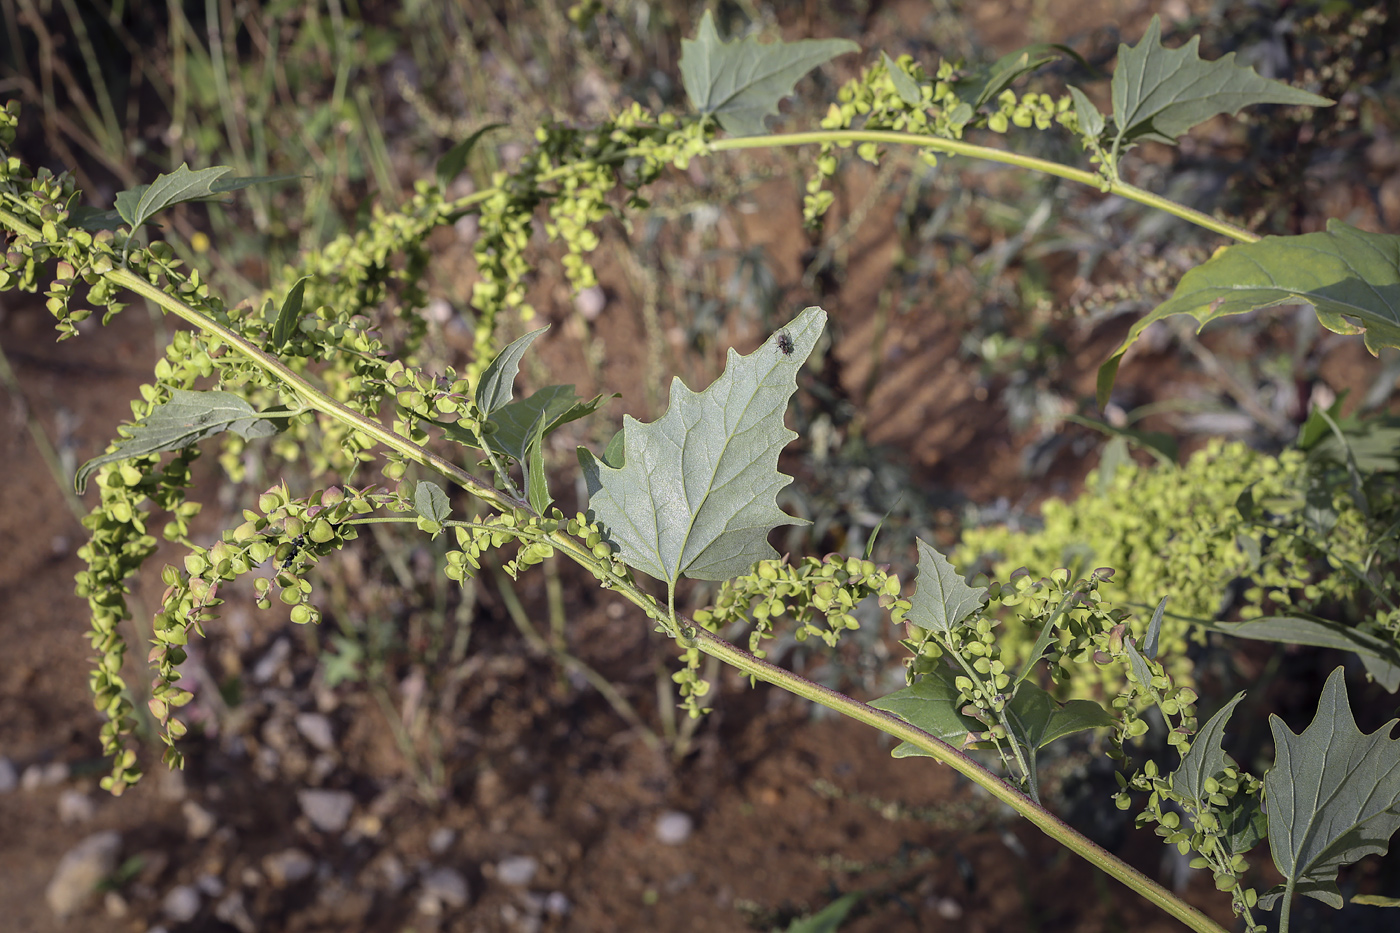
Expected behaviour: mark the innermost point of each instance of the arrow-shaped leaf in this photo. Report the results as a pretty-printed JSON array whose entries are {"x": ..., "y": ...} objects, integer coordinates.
[
  {"x": 1333, "y": 795},
  {"x": 983, "y": 84},
  {"x": 696, "y": 493},
  {"x": 187, "y": 418},
  {"x": 741, "y": 82},
  {"x": 1160, "y": 93},
  {"x": 941, "y": 599},
  {"x": 139, "y": 204},
  {"x": 1351, "y": 278},
  {"x": 455, "y": 159},
  {"x": 906, "y": 87},
  {"x": 497, "y": 385},
  {"x": 1205, "y": 758},
  {"x": 289, "y": 315}
]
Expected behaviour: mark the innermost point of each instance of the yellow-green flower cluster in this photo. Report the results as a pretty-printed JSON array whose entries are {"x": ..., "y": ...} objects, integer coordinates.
[{"x": 1178, "y": 532}]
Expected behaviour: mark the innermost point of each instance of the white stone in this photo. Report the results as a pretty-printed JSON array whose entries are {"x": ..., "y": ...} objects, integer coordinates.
[
  {"x": 517, "y": 871},
  {"x": 199, "y": 822},
  {"x": 181, "y": 904},
  {"x": 316, "y": 729},
  {"x": 328, "y": 810},
  {"x": 80, "y": 870},
  {"x": 673, "y": 827},
  {"x": 269, "y": 664},
  {"x": 556, "y": 904},
  {"x": 36, "y": 775},
  {"x": 74, "y": 806},
  {"x": 115, "y": 905},
  {"x": 949, "y": 909},
  {"x": 441, "y": 839},
  {"x": 447, "y": 887},
  {"x": 590, "y": 302},
  {"x": 288, "y": 867},
  {"x": 234, "y": 912}
]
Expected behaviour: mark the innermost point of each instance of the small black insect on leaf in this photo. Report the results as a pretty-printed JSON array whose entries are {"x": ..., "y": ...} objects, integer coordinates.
[{"x": 785, "y": 342}]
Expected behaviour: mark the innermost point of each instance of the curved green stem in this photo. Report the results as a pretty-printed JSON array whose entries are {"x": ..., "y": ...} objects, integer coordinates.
[{"x": 987, "y": 153}]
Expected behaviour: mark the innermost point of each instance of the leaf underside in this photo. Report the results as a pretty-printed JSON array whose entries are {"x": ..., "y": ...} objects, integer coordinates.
[
  {"x": 696, "y": 493},
  {"x": 1332, "y": 795},
  {"x": 740, "y": 82},
  {"x": 1378, "y": 655},
  {"x": 431, "y": 502},
  {"x": 1349, "y": 276},
  {"x": 1160, "y": 93},
  {"x": 139, "y": 204},
  {"x": 187, "y": 418}
]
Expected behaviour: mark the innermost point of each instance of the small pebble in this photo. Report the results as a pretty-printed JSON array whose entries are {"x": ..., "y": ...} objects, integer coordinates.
[
  {"x": 446, "y": 887},
  {"x": 9, "y": 777},
  {"x": 392, "y": 875},
  {"x": 316, "y": 729},
  {"x": 181, "y": 904},
  {"x": 74, "y": 806},
  {"x": 949, "y": 909},
  {"x": 288, "y": 867},
  {"x": 673, "y": 827},
  {"x": 438, "y": 310},
  {"x": 234, "y": 912},
  {"x": 80, "y": 870},
  {"x": 36, "y": 776},
  {"x": 517, "y": 871},
  {"x": 328, "y": 810},
  {"x": 115, "y": 905},
  {"x": 269, "y": 664},
  {"x": 590, "y": 302},
  {"x": 210, "y": 885},
  {"x": 441, "y": 840},
  {"x": 199, "y": 822},
  {"x": 556, "y": 904}
]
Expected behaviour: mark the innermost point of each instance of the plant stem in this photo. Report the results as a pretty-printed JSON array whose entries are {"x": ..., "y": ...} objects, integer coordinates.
[
  {"x": 1043, "y": 819},
  {"x": 987, "y": 153}
]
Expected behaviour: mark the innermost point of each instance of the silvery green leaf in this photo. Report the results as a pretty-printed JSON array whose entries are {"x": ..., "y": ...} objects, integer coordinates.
[
  {"x": 1349, "y": 276},
  {"x": 931, "y": 704},
  {"x": 497, "y": 385},
  {"x": 289, "y": 315},
  {"x": 941, "y": 600},
  {"x": 1091, "y": 122},
  {"x": 139, "y": 204},
  {"x": 1154, "y": 631},
  {"x": 1379, "y": 656},
  {"x": 906, "y": 87},
  {"x": 1206, "y": 758},
  {"x": 1333, "y": 795},
  {"x": 186, "y": 419},
  {"x": 430, "y": 501},
  {"x": 696, "y": 492},
  {"x": 545, "y": 410},
  {"x": 740, "y": 82},
  {"x": 1160, "y": 93},
  {"x": 455, "y": 159}
]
